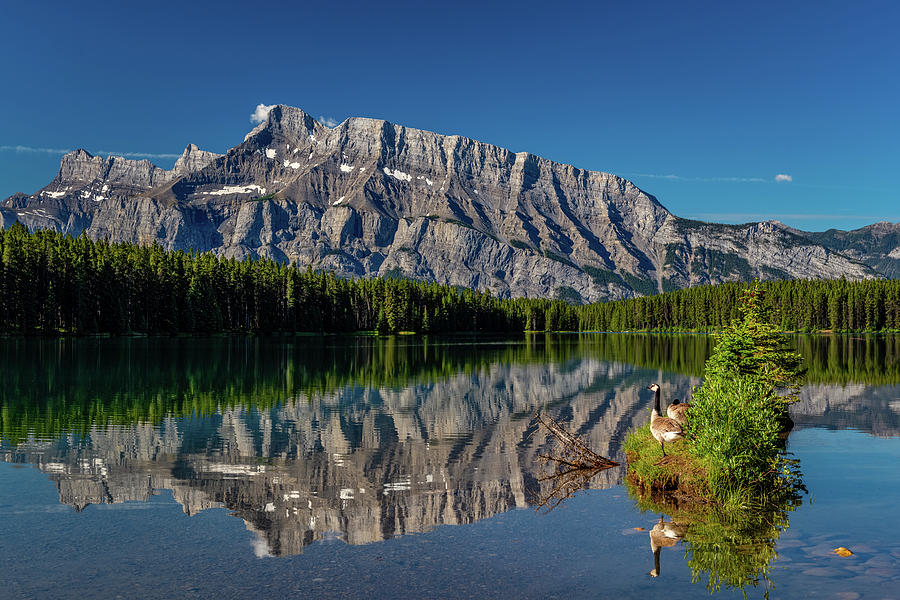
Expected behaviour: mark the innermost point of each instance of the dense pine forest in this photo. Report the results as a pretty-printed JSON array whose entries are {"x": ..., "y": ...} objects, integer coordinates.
[{"x": 54, "y": 284}]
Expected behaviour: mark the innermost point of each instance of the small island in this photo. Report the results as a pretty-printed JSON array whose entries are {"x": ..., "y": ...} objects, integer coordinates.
[{"x": 730, "y": 446}]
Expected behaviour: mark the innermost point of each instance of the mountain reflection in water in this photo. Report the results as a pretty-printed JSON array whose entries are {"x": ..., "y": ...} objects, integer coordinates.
[{"x": 366, "y": 438}]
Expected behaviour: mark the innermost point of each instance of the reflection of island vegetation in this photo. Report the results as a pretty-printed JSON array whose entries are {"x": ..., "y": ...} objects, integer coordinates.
[{"x": 730, "y": 547}]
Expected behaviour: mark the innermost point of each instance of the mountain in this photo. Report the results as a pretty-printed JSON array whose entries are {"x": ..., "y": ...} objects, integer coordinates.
[
  {"x": 876, "y": 245},
  {"x": 368, "y": 197}
]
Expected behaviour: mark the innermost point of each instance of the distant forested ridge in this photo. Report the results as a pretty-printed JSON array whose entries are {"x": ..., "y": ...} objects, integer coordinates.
[{"x": 54, "y": 284}]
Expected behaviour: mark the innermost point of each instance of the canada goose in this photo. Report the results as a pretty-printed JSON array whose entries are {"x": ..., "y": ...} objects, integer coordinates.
[
  {"x": 678, "y": 410},
  {"x": 663, "y": 429},
  {"x": 664, "y": 535}
]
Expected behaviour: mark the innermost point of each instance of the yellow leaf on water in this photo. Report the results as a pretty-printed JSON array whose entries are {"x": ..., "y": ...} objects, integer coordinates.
[
  {"x": 639, "y": 529},
  {"x": 842, "y": 552}
]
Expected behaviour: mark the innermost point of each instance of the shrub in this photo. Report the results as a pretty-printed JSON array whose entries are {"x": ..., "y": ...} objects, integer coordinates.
[
  {"x": 733, "y": 428},
  {"x": 752, "y": 346}
]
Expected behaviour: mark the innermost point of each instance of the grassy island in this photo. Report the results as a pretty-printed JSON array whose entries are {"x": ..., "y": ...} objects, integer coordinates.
[{"x": 731, "y": 452}]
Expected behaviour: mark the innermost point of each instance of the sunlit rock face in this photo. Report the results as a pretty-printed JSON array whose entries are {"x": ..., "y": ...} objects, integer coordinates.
[
  {"x": 365, "y": 464},
  {"x": 369, "y": 197}
]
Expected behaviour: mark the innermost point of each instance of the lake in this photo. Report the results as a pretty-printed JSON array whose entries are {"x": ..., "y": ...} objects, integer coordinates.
[{"x": 237, "y": 467}]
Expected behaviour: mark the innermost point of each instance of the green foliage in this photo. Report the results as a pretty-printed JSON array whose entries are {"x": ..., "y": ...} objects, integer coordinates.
[
  {"x": 731, "y": 547},
  {"x": 736, "y": 415},
  {"x": 668, "y": 285},
  {"x": 710, "y": 262},
  {"x": 733, "y": 427},
  {"x": 520, "y": 244},
  {"x": 569, "y": 294},
  {"x": 559, "y": 258},
  {"x": 648, "y": 471},
  {"x": 791, "y": 305},
  {"x": 602, "y": 276},
  {"x": 752, "y": 347},
  {"x": 459, "y": 223},
  {"x": 671, "y": 254},
  {"x": 646, "y": 287},
  {"x": 53, "y": 385},
  {"x": 52, "y": 283}
]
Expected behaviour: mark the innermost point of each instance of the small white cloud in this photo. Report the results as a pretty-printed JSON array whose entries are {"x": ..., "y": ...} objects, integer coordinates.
[
  {"x": 32, "y": 149},
  {"x": 783, "y": 177},
  {"x": 261, "y": 548},
  {"x": 673, "y": 177},
  {"x": 138, "y": 154},
  {"x": 328, "y": 121},
  {"x": 261, "y": 113}
]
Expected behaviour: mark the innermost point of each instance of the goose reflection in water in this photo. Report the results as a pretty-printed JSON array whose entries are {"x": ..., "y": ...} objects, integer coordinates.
[{"x": 664, "y": 535}]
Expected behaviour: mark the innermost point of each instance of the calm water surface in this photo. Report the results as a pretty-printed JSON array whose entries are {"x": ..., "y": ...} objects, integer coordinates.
[{"x": 356, "y": 467}]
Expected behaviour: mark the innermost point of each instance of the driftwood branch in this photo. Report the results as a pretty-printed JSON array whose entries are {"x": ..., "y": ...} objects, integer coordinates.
[{"x": 574, "y": 463}]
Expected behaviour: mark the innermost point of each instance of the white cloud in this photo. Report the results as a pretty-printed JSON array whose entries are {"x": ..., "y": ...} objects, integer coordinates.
[
  {"x": 328, "y": 121},
  {"x": 746, "y": 217},
  {"x": 783, "y": 177},
  {"x": 672, "y": 177},
  {"x": 33, "y": 150},
  {"x": 261, "y": 113},
  {"x": 135, "y": 154}
]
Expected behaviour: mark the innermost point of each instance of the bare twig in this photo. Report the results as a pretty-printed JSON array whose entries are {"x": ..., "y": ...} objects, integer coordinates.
[
  {"x": 575, "y": 465},
  {"x": 575, "y": 453}
]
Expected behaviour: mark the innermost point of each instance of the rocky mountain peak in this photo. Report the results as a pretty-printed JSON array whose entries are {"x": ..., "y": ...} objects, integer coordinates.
[
  {"x": 370, "y": 197},
  {"x": 193, "y": 159},
  {"x": 78, "y": 165},
  {"x": 288, "y": 123}
]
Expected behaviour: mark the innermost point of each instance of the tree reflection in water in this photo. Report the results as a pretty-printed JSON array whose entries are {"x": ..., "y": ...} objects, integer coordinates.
[
  {"x": 730, "y": 546},
  {"x": 725, "y": 546}
]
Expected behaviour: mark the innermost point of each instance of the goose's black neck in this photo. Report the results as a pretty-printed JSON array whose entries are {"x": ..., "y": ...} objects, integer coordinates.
[{"x": 656, "y": 401}]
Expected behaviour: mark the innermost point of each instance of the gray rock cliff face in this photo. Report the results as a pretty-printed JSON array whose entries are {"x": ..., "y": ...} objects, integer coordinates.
[
  {"x": 877, "y": 245},
  {"x": 372, "y": 198},
  {"x": 193, "y": 159}
]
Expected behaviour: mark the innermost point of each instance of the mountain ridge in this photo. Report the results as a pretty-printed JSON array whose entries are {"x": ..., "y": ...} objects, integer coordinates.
[{"x": 369, "y": 197}]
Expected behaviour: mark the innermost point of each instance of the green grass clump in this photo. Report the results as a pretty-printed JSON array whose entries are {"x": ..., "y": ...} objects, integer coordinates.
[
  {"x": 649, "y": 470},
  {"x": 734, "y": 427}
]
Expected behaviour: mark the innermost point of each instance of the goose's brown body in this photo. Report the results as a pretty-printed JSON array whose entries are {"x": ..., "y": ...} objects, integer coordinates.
[
  {"x": 679, "y": 412},
  {"x": 664, "y": 429}
]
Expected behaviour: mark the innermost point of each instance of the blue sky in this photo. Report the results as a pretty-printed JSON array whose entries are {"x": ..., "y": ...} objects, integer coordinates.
[{"x": 700, "y": 104}]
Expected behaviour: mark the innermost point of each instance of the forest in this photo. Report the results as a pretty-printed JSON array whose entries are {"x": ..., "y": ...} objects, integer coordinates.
[{"x": 52, "y": 284}]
